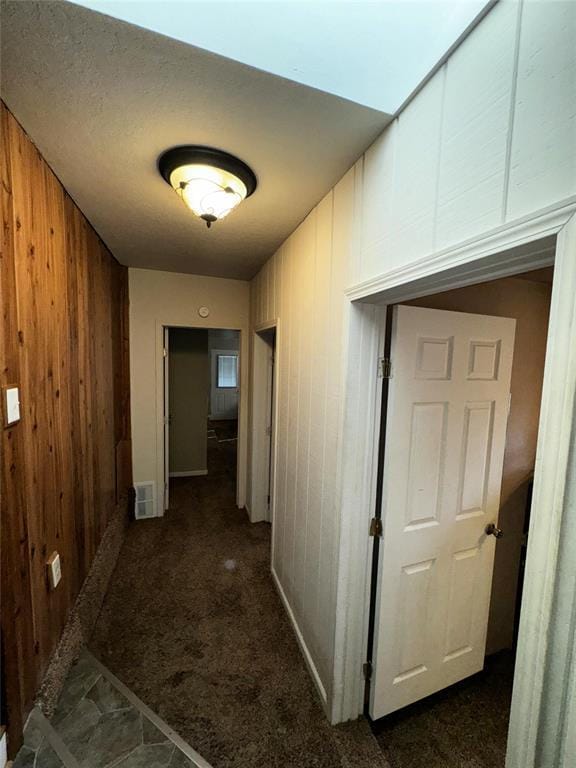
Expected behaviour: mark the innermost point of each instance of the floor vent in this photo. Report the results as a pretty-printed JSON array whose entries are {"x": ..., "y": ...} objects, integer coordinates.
[{"x": 144, "y": 506}]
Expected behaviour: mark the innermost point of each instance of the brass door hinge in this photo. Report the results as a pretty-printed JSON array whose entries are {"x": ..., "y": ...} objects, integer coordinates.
[
  {"x": 376, "y": 527},
  {"x": 384, "y": 367}
]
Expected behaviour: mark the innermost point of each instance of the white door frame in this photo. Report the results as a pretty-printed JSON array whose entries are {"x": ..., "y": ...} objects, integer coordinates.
[
  {"x": 262, "y": 452},
  {"x": 243, "y": 370},
  {"x": 545, "y": 679},
  {"x": 166, "y": 415}
]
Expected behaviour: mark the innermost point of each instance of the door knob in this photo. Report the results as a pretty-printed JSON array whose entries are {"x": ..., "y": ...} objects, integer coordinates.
[{"x": 492, "y": 530}]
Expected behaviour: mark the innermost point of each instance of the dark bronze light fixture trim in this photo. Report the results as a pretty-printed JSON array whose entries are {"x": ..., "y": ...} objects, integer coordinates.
[{"x": 193, "y": 154}]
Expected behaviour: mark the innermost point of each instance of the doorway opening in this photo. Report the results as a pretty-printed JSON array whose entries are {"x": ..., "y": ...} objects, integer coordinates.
[
  {"x": 263, "y": 424},
  {"x": 460, "y": 416},
  {"x": 201, "y": 402}
]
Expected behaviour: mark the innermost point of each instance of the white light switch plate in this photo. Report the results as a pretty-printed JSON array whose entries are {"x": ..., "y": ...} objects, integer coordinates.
[
  {"x": 54, "y": 569},
  {"x": 12, "y": 405}
]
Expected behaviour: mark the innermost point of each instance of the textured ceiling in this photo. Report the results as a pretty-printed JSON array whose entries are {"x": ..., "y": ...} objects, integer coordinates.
[
  {"x": 102, "y": 99},
  {"x": 374, "y": 53}
]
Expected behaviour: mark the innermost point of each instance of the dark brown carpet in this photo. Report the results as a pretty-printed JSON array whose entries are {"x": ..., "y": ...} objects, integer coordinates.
[
  {"x": 193, "y": 625},
  {"x": 464, "y": 726}
]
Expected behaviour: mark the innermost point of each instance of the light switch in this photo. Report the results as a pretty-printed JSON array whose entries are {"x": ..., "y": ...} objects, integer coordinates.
[
  {"x": 54, "y": 569},
  {"x": 12, "y": 410}
]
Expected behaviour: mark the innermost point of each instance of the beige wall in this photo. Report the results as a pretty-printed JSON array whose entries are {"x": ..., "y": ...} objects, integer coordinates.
[
  {"x": 529, "y": 303},
  {"x": 189, "y": 385},
  {"x": 160, "y": 299}
]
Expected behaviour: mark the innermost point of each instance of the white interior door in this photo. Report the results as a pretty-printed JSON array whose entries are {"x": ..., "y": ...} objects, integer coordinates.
[
  {"x": 224, "y": 384},
  {"x": 166, "y": 351},
  {"x": 448, "y": 402}
]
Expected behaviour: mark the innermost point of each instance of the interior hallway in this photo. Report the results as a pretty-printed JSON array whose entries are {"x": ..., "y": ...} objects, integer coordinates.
[
  {"x": 193, "y": 625},
  {"x": 463, "y": 726}
]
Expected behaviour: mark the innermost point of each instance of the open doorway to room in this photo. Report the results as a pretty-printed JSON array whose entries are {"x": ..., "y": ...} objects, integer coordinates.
[
  {"x": 461, "y": 414},
  {"x": 201, "y": 401},
  {"x": 263, "y": 421}
]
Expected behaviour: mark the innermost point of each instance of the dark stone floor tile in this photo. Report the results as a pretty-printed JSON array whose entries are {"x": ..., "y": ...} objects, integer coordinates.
[
  {"x": 148, "y": 756},
  {"x": 47, "y": 758},
  {"x": 33, "y": 736},
  {"x": 25, "y": 758},
  {"x": 179, "y": 760},
  {"x": 151, "y": 734},
  {"x": 80, "y": 679},
  {"x": 77, "y": 728},
  {"x": 106, "y": 697},
  {"x": 116, "y": 734}
]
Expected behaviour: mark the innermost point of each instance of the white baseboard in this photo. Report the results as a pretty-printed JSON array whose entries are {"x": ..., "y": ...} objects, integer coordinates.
[
  {"x": 190, "y": 473},
  {"x": 301, "y": 642}
]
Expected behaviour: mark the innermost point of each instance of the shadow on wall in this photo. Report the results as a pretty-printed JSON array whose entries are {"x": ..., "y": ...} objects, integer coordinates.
[{"x": 189, "y": 386}]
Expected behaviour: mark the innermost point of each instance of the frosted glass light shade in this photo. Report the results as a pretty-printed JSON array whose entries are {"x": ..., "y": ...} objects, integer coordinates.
[
  {"x": 210, "y": 182},
  {"x": 209, "y": 192}
]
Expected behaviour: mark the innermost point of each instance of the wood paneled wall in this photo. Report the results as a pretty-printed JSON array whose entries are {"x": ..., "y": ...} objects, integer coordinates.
[{"x": 66, "y": 464}]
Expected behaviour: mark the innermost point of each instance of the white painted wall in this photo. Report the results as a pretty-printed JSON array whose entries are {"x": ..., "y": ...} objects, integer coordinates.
[
  {"x": 490, "y": 139},
  {"x": 168, "y": 298}
]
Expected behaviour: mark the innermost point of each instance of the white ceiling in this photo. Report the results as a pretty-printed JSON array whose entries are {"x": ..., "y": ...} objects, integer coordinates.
[
  {"x": 372, "y": 52},
  {"x": 102, "y": 99}
]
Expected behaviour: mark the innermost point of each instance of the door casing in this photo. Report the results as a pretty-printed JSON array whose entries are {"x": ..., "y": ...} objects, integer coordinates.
[
  {"x": 241, "y": 463},
  {"x": 531, "y": 243},
  {"x": 263, "y": 447}
]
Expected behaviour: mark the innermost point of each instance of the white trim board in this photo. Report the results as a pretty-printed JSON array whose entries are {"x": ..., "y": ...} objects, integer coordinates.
[
  {"x": 301, "y": 642},
  {"x": 190, "y": 473},
  {"x": 544, "y": 681},
  {"x": 524, "y": 244}
]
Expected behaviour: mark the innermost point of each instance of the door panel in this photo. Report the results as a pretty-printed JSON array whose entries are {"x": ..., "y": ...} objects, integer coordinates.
[{"x": 446, "y": 428}]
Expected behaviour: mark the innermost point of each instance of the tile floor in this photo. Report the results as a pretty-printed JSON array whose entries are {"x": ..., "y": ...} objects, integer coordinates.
[{"x": 102, "y": 728}]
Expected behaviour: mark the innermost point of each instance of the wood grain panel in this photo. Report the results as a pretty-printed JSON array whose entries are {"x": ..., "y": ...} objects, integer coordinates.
[{"x": 66, "y": 464}]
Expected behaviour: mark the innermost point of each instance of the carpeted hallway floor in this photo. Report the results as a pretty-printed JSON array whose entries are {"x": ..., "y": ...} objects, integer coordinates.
[
  {"x": 193, "y": 625},
  {"x": 464, "y": 726}
]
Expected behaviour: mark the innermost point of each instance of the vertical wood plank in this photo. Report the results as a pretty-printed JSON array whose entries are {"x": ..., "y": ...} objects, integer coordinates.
[{"x": 66, "y": 464}]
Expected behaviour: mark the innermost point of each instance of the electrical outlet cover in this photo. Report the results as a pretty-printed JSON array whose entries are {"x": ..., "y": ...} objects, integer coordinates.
[
  {"x": 54, "y": 569},
  {"x": 12, "y": 405}
]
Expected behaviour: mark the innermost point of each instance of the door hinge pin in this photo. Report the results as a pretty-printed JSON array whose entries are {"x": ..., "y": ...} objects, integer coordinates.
[
  {"x": 367, "y": 670},
  {"x": 376, "y": 527},
  {"x": 384, "y": 367}
]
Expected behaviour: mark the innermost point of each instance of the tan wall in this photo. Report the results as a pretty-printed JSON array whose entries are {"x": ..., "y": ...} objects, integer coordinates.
[
  {"x": 160, "y": 299},
  {"x": 189, "y": 384},
  {"x": 529, "y": 303}
]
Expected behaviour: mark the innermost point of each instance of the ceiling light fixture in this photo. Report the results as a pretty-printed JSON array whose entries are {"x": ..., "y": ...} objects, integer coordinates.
[{"x": 210, "y": 182}]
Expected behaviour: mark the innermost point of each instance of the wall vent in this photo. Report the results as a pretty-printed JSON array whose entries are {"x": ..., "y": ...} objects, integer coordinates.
[{"x": 145, "y": 495}]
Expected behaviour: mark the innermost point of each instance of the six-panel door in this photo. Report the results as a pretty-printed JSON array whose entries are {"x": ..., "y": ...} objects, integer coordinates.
[{"x": 446, "y": 430}]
